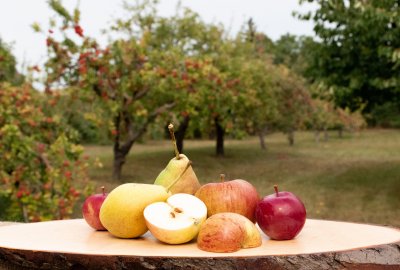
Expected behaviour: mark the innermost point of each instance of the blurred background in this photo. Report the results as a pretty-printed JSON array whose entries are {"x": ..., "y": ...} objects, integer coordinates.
[{"x": 303, "y": 94}]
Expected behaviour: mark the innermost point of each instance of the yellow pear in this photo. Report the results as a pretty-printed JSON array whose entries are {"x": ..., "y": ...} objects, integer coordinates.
[
  {"x": 188, "y": 182},
  {"x": 122, "y": 210}
]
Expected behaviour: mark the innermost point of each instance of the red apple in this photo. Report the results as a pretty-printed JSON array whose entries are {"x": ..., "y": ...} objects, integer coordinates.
[
  {"x": 281, "y": 215},
  {"x": 91, "y": 209},
  {"x": 237, "y": 196},
  {"x": 228, "y": 232}
]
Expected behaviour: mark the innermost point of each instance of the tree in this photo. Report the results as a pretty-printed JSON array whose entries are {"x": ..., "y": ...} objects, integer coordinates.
[
  {"x": 294, "y": 102},
  {"x": 259, "y": 97},
  {"x": 137, "y": 77},
  {"x": 357, "y": 51}
]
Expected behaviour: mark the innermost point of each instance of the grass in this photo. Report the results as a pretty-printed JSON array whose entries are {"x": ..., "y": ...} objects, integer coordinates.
[{"x": 355, "y": 178}]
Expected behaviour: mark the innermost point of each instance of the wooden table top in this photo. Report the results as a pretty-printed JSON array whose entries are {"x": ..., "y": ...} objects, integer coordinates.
[{"x": 76, "y": 237}]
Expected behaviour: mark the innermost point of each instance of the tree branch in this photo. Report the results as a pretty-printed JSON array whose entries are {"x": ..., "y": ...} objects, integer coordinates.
[{"x": 134, "y": 135}]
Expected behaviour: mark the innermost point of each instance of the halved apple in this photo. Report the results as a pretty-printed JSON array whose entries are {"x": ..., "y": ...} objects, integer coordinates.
[
  {"x": 177, "y": 220},
  {"x": 228, "y": 232}
]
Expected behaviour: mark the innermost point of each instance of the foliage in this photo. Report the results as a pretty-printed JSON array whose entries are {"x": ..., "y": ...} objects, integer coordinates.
[
  {"x": 40, "y": 164},
  {"x": 88, "y": 119},
  {"x": 294, "y": 102},
  {"x": 8, "y": 70},
  {"x": 386, "y": 115},
  {"x": 357, "y": 51}
]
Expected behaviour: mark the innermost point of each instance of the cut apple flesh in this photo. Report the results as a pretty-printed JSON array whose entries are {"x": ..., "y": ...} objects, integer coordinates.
[
  {"x": 164, "y": 216},
  {"x": 176, "y": 221}
]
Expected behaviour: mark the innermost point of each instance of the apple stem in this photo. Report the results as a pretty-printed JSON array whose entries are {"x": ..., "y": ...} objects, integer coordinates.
[
  {"x": 103, "y": 190},
  {"x": 222, "y": 176},
  {"x": 276, "y": 190},
  {"x": 179, "y": 176},
  {"x": 171, "y": 132}
]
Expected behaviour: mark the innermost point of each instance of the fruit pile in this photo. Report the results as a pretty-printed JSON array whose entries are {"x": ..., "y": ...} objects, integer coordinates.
[{"x": 176, "y": 209}]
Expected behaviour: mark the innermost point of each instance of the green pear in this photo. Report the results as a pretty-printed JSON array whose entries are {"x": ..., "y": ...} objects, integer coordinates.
[
  {"x": 188, "y": 182},
  {"x": 122, "y": 211}
]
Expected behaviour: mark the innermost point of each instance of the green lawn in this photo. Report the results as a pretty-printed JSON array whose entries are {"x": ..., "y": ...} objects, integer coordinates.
[{"x": 356, "y": 178}]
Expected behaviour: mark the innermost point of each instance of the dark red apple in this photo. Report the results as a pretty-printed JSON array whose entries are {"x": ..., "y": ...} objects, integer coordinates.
[
  {"x": 237, "y": 196},
  {"x": 91, "y": 209},
  {"x": 281, "y": 215}
]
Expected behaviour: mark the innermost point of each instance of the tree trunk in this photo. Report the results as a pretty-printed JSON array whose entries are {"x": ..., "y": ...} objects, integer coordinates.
[
  {"x": 291, "y": 136},
  {"x": 119, "y": 161},
  {"x": 220, "y": 132},
  {"x": 340, "y": 132},
  {"x": 326, "y": 134},
  {"x": 261, "y": 136},
  {"x": 180, "y": 133},
  {"x": 316, "y": 135},
  {"x": 133, "y": 133}
]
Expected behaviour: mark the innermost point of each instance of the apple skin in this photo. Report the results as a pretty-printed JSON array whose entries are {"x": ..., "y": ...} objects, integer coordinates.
[
  {"x": 91, "y": 210},
  {"x": 236, "y": 196},
  {"x": 228, "y": 232},
  {"x": 281, "y": 216}
]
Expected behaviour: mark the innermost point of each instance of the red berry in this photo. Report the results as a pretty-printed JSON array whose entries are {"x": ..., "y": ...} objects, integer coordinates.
[
  {"x": 78, "y": 30},
  {"x": 68, "y": 174}
]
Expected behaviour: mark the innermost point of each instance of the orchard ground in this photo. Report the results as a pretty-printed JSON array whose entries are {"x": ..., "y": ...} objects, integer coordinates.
[{"x": 354, "y": 178}]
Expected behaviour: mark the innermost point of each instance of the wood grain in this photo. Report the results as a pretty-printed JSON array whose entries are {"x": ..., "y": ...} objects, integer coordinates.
[{"x": 72, "y": 244}]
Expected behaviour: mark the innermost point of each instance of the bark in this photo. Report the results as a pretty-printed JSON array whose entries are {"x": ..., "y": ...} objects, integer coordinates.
[
  {"x": 121, "y": 148},
  {"x": 385, "y": 257},
  {"x": 119, "y": 160},
  {"x": 261, "y": 135},
  {"x": 220, "y": 132},
  {"x": 180, "y": 133},
  {"x": 326, "y": 134},
  {"x": 316, "y": 135},
  {"x": 290, "y": 135},
  {"x": 340, "y": 132}
]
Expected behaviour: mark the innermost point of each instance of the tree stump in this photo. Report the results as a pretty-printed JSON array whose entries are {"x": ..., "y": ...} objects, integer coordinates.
[{"x": 72, "y": 244}]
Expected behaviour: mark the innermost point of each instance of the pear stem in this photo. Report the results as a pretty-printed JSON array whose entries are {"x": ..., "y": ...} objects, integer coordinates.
[
  {"x": 276, "y": 190},
  {"x": 222, "y": 177},
  {"x": 179, "y": 176},
  {"x": 171, "y": 132},
  {"x": 103, "y": 190}
]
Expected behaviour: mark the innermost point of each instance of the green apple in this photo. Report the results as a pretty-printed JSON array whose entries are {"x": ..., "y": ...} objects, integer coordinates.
[{"x": 177, "y": 220}]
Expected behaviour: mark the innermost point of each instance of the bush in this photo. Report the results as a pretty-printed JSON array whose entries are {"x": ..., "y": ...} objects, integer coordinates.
[
  {"x": 386, "y": 115},
  {"x": 40, "y": 166}
]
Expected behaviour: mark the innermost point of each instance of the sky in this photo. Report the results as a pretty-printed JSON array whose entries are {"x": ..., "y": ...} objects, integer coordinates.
[{"x": 272, "y": 17}]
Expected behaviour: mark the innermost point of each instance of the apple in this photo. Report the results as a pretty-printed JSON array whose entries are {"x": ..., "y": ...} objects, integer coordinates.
[
  {"x": 91, "y": 210},
  {"x": 237, "y": 196},
  {"x": 177, "y": 220},
  {"x": 281, "y": 215},
  {"x": 228, "y": 232}
]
